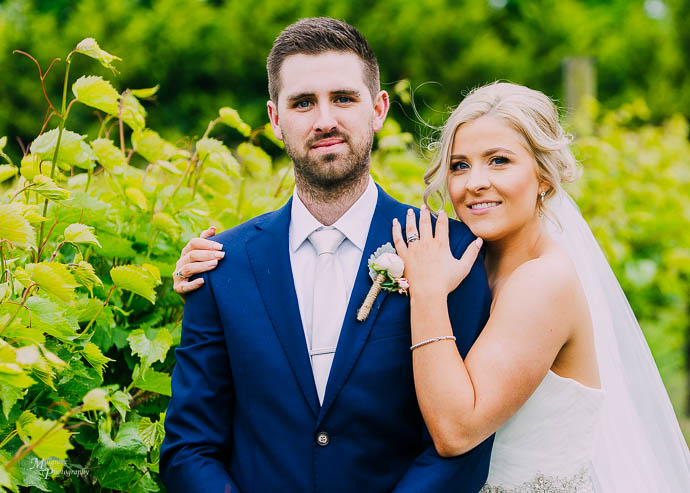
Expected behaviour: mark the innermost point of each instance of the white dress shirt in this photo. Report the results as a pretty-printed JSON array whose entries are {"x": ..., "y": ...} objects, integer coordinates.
[{"x": 354, "y": 224}]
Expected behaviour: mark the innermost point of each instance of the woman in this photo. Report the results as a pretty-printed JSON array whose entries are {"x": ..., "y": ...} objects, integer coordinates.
[{"x": 561, "y": 369}]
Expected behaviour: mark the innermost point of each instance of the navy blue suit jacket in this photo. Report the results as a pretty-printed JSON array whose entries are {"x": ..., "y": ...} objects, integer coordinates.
[{"x": 244, "y": 413}]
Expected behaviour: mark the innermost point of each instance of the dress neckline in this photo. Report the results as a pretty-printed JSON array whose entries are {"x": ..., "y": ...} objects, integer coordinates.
[{"x": 581, "y": 385}]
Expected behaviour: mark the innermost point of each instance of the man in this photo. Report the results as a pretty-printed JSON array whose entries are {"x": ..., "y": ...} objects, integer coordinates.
[{"x": 277, "y": 386}]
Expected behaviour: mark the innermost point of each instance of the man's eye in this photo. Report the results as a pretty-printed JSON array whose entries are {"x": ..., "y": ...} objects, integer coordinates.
[
  {"x": 302, "y": 104},
  {"x": 343, "y": 99}
]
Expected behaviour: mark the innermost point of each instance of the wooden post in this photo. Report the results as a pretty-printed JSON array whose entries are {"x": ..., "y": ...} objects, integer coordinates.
[{"x": 579, "y": 81}]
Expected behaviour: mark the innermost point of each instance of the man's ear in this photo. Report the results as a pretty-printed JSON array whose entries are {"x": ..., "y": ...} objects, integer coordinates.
[
  {"x": 381, "y": 106},
  {"x": 273, "y": 118}
]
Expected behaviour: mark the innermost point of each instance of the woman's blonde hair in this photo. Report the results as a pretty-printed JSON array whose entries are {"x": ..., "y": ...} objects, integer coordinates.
[{"x": 529, "y": 112}]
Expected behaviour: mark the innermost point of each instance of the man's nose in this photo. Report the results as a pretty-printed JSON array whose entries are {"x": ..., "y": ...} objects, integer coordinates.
[{"x": 325, "y": 119}]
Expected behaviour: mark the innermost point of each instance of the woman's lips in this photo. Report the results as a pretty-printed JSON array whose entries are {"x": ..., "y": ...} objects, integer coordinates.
[{"x": 483, "y": 207}]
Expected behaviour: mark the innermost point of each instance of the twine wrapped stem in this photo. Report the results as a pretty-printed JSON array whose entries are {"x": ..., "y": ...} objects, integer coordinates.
[{"x": 364, "y": 310}]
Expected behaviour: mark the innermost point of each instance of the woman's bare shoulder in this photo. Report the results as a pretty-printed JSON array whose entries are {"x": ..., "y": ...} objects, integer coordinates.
[{"x": 549, "y": 280}]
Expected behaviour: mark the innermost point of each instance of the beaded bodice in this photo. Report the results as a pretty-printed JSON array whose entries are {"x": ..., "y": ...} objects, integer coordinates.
[{"x": 547, "y": 445}]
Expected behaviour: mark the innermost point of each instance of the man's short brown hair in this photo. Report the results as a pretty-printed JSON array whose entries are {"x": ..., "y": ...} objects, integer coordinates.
[{"x": 317, "y": 35}]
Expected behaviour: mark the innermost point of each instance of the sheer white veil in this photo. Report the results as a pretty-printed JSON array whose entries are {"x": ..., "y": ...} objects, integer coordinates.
[{"x": 639, "y": 446}]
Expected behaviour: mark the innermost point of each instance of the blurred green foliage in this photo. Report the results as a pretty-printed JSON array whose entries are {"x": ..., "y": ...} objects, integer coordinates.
[{"x": 208, "y": 54}]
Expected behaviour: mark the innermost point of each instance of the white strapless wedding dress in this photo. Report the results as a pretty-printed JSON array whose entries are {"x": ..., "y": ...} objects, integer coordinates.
[{"x": 547, "y": 446}]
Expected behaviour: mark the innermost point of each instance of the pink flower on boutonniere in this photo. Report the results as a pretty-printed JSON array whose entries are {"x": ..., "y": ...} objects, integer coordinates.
[{"x": 385, "y": 269}]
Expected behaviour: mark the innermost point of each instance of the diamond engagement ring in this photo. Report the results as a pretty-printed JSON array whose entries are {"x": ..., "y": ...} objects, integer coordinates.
[
  {"x": 412, "y": 237},
  {"x": 179, "y": 275}
]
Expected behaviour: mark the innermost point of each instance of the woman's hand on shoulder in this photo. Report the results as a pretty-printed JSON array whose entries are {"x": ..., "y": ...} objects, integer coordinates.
[
  {"x": 430, "y": 266},
  {"x": 198, "y": 255}
]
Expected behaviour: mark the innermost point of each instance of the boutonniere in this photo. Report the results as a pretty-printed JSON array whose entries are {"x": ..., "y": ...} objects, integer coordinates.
[{"x": 386, "y": 270}]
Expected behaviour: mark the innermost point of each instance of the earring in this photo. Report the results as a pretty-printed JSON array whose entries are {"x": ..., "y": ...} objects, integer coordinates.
[{"x": 541, "y": 195}]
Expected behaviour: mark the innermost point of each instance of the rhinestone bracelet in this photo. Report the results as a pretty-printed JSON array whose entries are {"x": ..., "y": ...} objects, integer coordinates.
[{"x": 429, "y": 341}]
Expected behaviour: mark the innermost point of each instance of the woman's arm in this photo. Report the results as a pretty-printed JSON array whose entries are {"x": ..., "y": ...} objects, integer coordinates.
[{"x": 464, "y": 402}]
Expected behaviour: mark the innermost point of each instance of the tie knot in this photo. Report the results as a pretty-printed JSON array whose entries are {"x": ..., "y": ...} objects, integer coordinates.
[{"x": 326, "y": 240}]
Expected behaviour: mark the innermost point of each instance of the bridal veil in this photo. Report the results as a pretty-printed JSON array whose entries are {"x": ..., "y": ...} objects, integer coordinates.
[{"x": 639, "y": 446}]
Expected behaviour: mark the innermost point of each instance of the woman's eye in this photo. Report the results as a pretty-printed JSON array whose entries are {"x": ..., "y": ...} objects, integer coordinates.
[
  {"x": 499, "y": 160},
  {"x": 458, "y": 165}
]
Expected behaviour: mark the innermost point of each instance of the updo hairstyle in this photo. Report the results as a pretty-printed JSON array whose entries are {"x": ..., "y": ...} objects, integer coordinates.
[{"x": 529, "y": 112}]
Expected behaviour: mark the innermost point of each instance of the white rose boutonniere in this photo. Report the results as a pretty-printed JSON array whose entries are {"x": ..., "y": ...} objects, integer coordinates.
[
  {"x": 389, "y": 262},
  {"x": 385, "y": 269}
]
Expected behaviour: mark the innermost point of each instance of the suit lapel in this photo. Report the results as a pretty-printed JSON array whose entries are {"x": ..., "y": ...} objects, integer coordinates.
[
  {"x": 353, "y": 334},
  {"x": 269, "y": 256}
]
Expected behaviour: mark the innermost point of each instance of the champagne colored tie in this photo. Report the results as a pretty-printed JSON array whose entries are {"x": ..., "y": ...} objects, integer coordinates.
[{"x": 330, "y": 304}]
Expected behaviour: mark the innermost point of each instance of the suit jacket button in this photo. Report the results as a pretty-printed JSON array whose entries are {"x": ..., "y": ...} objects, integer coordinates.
[{"x": 322, "y": 438}]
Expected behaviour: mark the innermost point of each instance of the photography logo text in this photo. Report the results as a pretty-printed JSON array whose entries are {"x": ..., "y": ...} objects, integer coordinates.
[{"x": 62, "y": 468}]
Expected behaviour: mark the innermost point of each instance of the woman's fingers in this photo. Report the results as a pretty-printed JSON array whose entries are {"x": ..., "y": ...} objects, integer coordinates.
[
  {"x": 188, "y": 270},
  {"x": 411, "y": 227},
  {"x": 209, "y": 232},
  {"x": 199, "y": 255},
  {"x": 464, "y": 264},
  {"x": 398, "y": 240},
  {"x": 200, "y": 244},
  {"x": 425, "y": 231},
  {"x": 442, "y": 228},
  {"x": 197, "y": 261},
  {"x": 181, "y": 282},
  {"x": 184, "y": 287}
]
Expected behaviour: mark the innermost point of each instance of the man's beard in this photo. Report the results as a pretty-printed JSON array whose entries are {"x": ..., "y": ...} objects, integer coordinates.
[{"x": 333, "y": 173}]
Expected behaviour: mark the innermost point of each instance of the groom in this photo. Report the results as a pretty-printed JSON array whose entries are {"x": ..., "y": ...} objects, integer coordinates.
[{"x": 277, "y": 387}]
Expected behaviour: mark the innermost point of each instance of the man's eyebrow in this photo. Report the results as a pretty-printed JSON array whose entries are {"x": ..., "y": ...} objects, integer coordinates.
[
  {"x": 301, "y": 95},
  {"x": 346, "y": 92},
  {"x": 307, "y": 95},
  {"x": 488, "y": 152}
]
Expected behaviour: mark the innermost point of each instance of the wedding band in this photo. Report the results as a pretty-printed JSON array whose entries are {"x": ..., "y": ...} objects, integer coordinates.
[{"x": 412, "y": 237}]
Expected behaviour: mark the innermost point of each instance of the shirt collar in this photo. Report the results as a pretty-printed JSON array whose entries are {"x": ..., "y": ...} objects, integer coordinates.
[{"x": 354, "y": 224}]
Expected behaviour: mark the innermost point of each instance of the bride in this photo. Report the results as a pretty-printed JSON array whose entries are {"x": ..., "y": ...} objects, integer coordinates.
[{"x": 561, "y": 372}]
